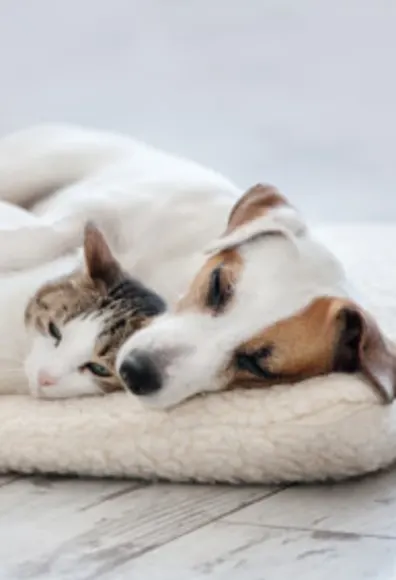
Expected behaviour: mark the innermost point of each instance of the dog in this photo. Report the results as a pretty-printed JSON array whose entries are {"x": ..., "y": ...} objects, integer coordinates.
[
  {"x": 254, "y": 298},
  {"x": 269, "y": 305}
]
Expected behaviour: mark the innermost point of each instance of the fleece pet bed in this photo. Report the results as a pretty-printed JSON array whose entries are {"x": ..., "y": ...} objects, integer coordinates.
[{"x": 329, "y": 427}]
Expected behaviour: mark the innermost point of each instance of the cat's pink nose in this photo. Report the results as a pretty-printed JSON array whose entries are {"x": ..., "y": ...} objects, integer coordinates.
[{"x": 45, "y": 379}]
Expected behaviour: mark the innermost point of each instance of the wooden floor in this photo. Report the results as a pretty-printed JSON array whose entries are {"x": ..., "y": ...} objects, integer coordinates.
[{"x": 53, "y": 528}]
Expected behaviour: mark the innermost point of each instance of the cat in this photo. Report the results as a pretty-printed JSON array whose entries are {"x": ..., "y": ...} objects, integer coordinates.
[{"x": 74, "y": 325}]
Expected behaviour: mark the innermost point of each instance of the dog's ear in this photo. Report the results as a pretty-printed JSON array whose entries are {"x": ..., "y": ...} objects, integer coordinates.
[
  {"x": 261, "y": 210},
  {"x": 361, "y": 346},
  {"x": 256, "y": 202},
  {"x": 101, "y": 265}
]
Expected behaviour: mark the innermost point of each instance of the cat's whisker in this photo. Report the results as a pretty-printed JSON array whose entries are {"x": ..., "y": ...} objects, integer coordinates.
[
  {"x": 12, "y": 370},
  {"x": 17, "y": 362},
  {"x": 10, "y": 360}
]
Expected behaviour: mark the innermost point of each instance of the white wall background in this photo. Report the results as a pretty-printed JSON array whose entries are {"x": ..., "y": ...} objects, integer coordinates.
[{"x": 298, "y": 92}]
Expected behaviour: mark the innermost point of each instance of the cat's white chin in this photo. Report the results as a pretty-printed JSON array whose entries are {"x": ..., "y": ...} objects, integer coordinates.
[
  {"x": 63, "y": 392},
  {"x": 72, "y": 384}
]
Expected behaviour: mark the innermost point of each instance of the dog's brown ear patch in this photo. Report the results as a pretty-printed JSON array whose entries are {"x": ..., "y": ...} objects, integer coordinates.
[
  {"x": 254, "y": 203},
  {"x": 261, "y": 211},
  {"x": 361, "y": 346}
]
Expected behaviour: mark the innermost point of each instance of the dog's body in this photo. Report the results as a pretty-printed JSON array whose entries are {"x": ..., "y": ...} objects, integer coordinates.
[
  {"x": 266, "y": 286},
  {"x": 156, "y": 211}
]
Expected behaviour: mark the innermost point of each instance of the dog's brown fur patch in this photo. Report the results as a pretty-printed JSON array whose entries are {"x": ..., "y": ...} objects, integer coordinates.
[
  {"x": 316, "y": 341},
  {"x": 254, "y": 203},
  {"x": 231, "y": 265},
  {"x": 301, "y": 346}
]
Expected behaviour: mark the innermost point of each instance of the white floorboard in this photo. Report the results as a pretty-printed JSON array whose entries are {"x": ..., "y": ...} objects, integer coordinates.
[
  {"x": 70, "y": 529},
  {"x": 224, "y": 551},
  {"x": 364, "y": 507},
  {"x": 80, "y": 529}
]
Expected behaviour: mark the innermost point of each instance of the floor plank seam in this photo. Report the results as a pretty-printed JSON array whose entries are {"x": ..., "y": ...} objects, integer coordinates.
[
  {"x": 116, "y": 494},
  {"x": 320, "y": 532}
]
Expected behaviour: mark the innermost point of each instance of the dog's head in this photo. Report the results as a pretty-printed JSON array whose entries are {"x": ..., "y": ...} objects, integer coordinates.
[{"x": 269, "y": 305}]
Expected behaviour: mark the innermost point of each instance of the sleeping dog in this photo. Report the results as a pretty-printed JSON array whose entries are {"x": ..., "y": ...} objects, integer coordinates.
[
  {"x": 254, "y": 298},
  {"x": 268, "y": 305}
]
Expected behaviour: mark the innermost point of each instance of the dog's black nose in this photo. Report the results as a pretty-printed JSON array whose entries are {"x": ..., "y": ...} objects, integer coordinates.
[{"x": 140, "y": 374}]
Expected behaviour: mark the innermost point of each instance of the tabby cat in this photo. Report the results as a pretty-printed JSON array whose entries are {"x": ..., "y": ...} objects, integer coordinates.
[{"x": 78, "y": 322}]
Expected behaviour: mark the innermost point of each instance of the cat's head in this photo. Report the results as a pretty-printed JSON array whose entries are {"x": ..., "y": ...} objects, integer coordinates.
[{"x": 78, "y": 323}]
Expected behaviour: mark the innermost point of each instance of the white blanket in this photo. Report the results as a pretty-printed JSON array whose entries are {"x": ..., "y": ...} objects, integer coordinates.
[{"x": 330, "y": 427}]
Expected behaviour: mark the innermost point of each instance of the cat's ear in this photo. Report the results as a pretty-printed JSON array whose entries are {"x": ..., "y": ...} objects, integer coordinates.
[{"x": 101, "y": 265}]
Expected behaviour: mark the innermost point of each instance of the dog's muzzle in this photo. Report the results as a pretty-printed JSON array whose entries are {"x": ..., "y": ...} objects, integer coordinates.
[{"x": 140, "y": 373}]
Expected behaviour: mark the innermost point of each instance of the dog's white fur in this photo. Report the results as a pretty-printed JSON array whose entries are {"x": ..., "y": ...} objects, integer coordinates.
[
  {"x": 193, "y": 347},
  {"x": 159, "y": 213},
  {"x": 135, "y": 195}
]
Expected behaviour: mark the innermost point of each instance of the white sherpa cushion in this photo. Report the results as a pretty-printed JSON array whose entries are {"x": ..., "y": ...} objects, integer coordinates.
[{"x": 330, "y": 427}]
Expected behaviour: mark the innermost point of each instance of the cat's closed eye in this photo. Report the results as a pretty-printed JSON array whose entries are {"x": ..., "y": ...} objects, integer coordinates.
[{"x": 54, "y": 331}]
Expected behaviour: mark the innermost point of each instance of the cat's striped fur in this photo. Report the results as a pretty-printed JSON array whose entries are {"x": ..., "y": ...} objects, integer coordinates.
[{"x": 102, "y": 293}]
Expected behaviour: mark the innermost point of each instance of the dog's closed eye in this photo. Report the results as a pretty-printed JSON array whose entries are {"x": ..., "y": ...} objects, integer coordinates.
[
  {"x": 219, "y": 290},
  {"x": 254, "y": 363}
]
